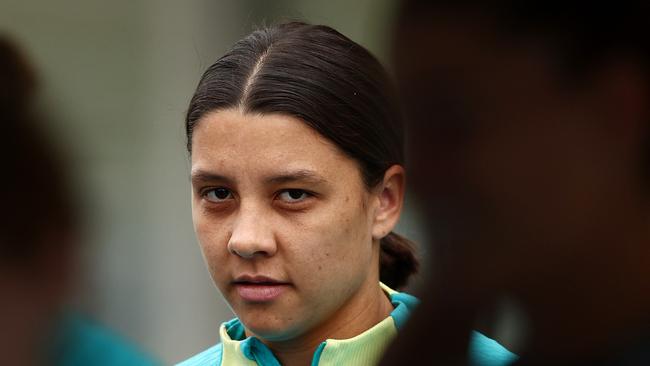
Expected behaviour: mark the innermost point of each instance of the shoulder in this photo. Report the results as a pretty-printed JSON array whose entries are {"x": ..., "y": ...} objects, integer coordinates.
[
  {"x": 484, "y": 351},
  {"x": 211, "y": 356}
]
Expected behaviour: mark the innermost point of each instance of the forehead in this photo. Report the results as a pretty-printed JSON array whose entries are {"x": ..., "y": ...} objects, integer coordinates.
[{"x": 246, "y": 142}]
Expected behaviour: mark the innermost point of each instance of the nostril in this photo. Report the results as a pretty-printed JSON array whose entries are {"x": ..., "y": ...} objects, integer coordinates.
[
  {"x": 239, "y": 250},
  {"x": 248, "y": 249},
  {"x": 251, "y": 238}
]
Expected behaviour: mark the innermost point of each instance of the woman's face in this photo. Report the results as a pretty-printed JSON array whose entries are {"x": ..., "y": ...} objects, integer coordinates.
[{"x": 283, "y": 218}]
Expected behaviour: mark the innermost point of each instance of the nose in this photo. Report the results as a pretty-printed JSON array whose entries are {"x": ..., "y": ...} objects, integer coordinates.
[{"x": 252, "y": 235}]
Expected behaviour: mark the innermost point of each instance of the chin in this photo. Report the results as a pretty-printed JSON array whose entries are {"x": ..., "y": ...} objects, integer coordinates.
[
  {"x": 268, "y": 327},
  {"x": 271, "y": 332}
]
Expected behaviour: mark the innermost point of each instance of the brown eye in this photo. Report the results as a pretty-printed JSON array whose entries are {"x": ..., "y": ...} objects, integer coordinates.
[
  {"x": 218, "y": 194},
  {"x": 293, "y": 195}
]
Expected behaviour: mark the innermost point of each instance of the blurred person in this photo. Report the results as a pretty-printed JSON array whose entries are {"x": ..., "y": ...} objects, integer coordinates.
[
  {"x": 38, "y": 233},
  {"x": 296, "y": 150},
  {"x": 529, "y": 145}
]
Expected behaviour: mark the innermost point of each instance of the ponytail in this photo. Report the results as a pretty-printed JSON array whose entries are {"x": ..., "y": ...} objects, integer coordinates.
[{"x": 397, "y": 261}]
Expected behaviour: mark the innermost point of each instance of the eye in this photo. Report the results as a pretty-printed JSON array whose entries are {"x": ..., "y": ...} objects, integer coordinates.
[
  {"x": 217, "y": 195},
  {"x": 293, "y": 195}
]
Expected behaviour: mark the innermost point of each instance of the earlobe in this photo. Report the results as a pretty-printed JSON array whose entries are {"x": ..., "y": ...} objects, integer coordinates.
[{"x": 391, "y": 198}]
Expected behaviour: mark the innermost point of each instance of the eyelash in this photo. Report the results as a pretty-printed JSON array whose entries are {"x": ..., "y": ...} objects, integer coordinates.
[
  {"x": 307, "y": 195},
  {"x": 292, "y": 201},
  {"x": 206, "y": 192}
]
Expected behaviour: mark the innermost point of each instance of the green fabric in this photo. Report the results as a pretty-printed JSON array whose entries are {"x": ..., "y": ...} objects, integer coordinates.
[
  {"x": 488, "y": 352},
  {"x": 364, "y": 349},
  {"x": 80, "y": 342}
]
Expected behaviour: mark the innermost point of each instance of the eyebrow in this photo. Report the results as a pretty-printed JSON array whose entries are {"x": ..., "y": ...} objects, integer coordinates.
[
  {"x": 205, "y": 176},
  {"x": 301, "y": 175}
]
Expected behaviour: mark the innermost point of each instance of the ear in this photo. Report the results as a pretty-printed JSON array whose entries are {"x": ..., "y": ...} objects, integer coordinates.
[{"x": 390, "y": 194}]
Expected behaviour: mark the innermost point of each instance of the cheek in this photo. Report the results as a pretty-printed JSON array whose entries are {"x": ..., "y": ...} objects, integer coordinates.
[
  {"x": 332, "y": 247},
  {"x": 213, "y": 239}
]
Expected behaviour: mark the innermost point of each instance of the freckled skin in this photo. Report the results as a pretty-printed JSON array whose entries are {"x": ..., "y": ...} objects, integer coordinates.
[{"x": 330, "y": 231}]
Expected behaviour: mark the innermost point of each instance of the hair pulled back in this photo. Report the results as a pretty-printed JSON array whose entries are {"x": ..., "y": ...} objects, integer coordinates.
[{"x": 332, "y": 84}]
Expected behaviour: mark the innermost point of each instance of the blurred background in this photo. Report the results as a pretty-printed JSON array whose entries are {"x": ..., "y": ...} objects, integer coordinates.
[{"x": 116, "y": 78}]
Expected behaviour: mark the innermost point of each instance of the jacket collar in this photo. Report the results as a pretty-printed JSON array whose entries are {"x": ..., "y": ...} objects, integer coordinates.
[{"x": 365, "y": 348}]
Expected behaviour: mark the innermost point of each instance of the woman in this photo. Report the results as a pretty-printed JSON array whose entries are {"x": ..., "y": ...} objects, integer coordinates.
[{"x": 298, "y": 181}]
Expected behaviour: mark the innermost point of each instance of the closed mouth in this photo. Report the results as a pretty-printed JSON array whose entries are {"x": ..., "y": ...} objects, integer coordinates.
[
  {"x": 257, "y": 280},
  {"x": 259, "y": 289}
]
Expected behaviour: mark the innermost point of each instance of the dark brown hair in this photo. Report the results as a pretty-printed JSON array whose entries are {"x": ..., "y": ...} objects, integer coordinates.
[{"x": 332, "y": 84}]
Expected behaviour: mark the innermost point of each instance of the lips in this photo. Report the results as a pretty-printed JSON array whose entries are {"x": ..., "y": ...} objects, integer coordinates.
[{"x": 259, "y": 289}]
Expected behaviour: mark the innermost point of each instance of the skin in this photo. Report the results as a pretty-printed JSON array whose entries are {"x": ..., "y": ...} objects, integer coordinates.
[
  {"x": 273, "y": 198},
  {"x": 542, "y": 190}
]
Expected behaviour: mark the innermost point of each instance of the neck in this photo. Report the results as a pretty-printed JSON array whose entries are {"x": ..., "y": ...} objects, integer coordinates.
[
  {"x": 369, "y": 306},
  {"x": 597, "y": 305}
]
